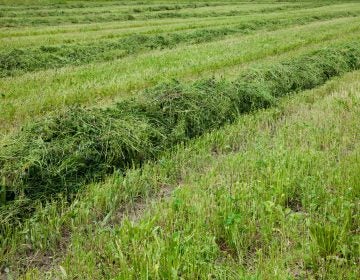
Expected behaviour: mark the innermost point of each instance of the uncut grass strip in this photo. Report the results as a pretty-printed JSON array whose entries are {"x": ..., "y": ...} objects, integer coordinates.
[
  {"x": 63, "y": 153},
  {"x": 17, "y": 61}
]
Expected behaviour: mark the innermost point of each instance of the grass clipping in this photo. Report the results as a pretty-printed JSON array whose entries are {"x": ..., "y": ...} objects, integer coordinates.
[{"x": 60, "y": 154}]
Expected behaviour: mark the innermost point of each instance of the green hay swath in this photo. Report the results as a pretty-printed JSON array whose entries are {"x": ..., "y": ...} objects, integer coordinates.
[{"x": 60, "y": 154}]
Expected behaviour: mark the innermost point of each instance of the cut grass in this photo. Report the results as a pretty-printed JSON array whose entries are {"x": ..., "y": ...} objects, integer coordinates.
[
  {"x": 18, "y": 61},
  {"x": 118, "y": 31},
  {"x": 256, "y": 199},
  {"x": 62, "y": 153},
  {"x": 33, "y": 36},
  {"x": 123, "y": 15},
  {"x": 34, "y": 94},
  {"x": 160, "y": 185}
]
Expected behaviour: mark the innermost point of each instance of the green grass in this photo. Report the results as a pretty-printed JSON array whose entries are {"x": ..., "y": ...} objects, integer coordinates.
[
  {"x": 161, "y": 139},
  {"x": 116, "y": 31},
  {"x": 30, "y": 95},
  {"x": 15, "y": 61},
  {"x": 61, "y": 154},
  {"x": 78, "y": 32},
  {"x": 38, "y": 17},
  {"x": 272, "y": 196},
  {"x": 124, "y": 15}
]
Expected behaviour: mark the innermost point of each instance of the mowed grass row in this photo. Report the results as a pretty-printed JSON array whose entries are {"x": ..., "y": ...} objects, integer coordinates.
[
  {"x": 123, "y": 15},
  {"x": 271, "y": 201},
  {"x": 78, "y": 6},
  {"x": 282, "y": 208},
  {"x": 62, "y": 10},
  {"x": 59, "y": 155},
  {"x": 119, "y": 31},
  {"x": 19, "y": 61},
  {"x": 27, "y": 96},
  {"x": 85, "y": 28},
  {"x": 109, "y": 9},
  {"x": 273, "y": 196}
]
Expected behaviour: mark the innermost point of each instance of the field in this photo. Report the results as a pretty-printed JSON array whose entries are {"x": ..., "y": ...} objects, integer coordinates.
[{"x": 162, "y": 139}]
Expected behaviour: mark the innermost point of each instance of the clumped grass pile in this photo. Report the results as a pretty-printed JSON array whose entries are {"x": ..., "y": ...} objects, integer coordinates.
[
  {"x": 61, "y": 153},
  {"x": 17, "y": 61}
]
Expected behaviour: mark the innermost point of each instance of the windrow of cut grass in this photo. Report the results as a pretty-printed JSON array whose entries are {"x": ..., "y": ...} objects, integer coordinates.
[
  {"x": 227, "y": 10},
  {"x": 278, "y": 199},
  {"x": 26, "y": 39},
  {"x": 265, "y": 194},
  {"x": 73, "y": 7},
  {"x": 17, "y": 61},
  {"x": 63, "y": 11},
  {"x": 57, "y": 33},
  {"x": 27, "y": 97},
  {"x": 274, "y": 196},
  {"x": 62, "y": 153}
]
